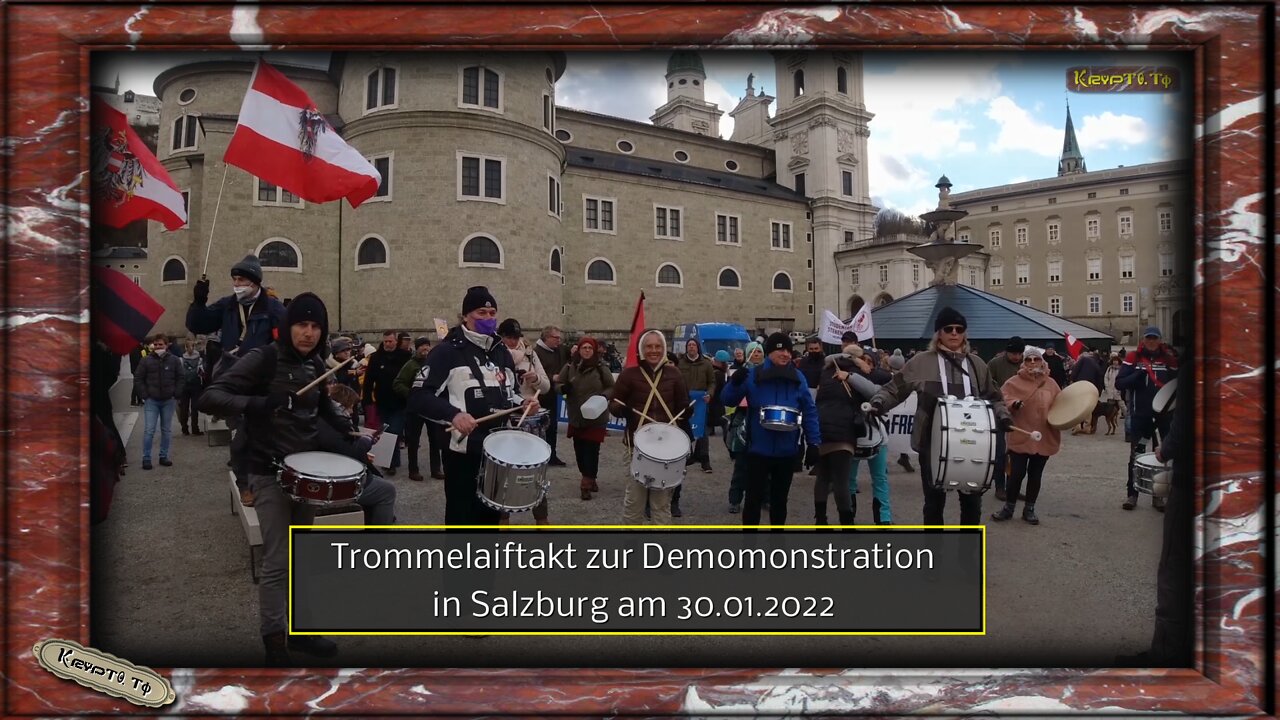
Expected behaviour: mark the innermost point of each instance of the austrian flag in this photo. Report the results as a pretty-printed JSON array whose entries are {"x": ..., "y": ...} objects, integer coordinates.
[
  {"x": 283, "y": 139},
  {"x": 128, "y": 182},
  {"x": 1074, "y": 346}
]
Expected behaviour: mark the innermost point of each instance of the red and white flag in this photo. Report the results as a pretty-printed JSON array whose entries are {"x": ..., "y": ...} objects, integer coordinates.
[
  {"x": 1074, "y": 346},
  {"x": 128, "y": 182},
  {"x": 281, "y": 138},
  {"x": 862, "y": 324}
]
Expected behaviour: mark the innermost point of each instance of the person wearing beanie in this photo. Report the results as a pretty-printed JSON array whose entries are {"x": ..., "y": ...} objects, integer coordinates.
[
  {"x": 248, "y": 318},
  {"x": 948, "y": 367},
  {"x": 699, "y": 374},
  {"x": 379, "y": 393},
  {"x": 265, "y": 385},
  {"x": 532, "y": 381},
  {"x": 772, "y": 454},
  {"x": 468, "y": 375},
  {"x": 553, "y": 355},
  {"x": 413, "y": 425},
  {"x": 1002, "y": 367},
  {"x": 843, "y": 388},
  {"x": 1142, "y": 374},
  {"x": 580, "y": 380},
  {"x": 653, "y": 390}
]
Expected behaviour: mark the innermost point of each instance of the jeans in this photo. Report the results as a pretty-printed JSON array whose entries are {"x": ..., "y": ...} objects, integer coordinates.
[
  {"x": 154, "y": 411},
  {"x": 276, "y": 512},
  {"x": 771, "y": 477},
  {"x": 1001, "y": 458},
  {"x": 878, "y": 466},
  {"x": 935, "y": 501},
  {"x": 394, "y": 420}
]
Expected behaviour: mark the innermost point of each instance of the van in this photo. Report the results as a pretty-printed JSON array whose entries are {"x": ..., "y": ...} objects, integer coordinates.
[{"x": 711, "y": 337}]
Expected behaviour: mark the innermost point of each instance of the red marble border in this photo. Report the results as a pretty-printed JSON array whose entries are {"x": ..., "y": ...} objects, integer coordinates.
[{"x": 45, "y": 503}]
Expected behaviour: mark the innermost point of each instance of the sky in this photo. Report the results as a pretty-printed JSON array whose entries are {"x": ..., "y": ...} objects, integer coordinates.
[{"x": 982, "y": 119}]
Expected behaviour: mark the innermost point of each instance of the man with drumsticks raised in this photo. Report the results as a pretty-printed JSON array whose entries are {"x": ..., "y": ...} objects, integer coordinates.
[
  {"x": 948, "y": 367},
  {"x": 266, "y": 385},
  {"x": 467, "y": 376}
]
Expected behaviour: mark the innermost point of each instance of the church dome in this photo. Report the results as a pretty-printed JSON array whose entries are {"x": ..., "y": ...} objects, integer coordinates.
[{"x": 685, "y": 61}]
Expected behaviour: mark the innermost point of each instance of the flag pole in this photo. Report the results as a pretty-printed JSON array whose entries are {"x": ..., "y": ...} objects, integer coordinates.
[{"x": 213, "y": 224}]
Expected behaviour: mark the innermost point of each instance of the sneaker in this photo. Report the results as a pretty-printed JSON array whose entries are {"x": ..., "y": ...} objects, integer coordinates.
[
  {"x": 416, "y": 476},
  {"x": 707, "y": 469},
  {"x": 389, "y": 472},
  {"x": 437, "y": 475},
  {"x": 1002, "y": 514},
  {"x": 146, "y": 464},
  {"x": 313, "y": 645},
  {"x": 1029, "y": 514},
  {"x": 166, "y": 462},
  {"x": 1130, "y": 502},
  {"x": 905, "y": 462},
  {"x": 246, "y": 497},
  {"x": 735, "y": 508}
]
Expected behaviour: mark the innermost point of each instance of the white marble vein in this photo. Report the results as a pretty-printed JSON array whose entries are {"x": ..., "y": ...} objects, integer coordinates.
[
  {"x": 1084, "y": 25},
  {"x": 245, "y": 30},
  {"x": 135, "y": 35},
  {"x": 12, "y": 320},
  {"x": 783, "y": 26},
  {"x": 335, "y": 682},
  {"x": 1229, "y": 115}
]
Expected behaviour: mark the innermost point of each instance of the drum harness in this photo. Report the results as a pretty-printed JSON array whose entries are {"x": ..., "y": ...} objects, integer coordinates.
[{"x": 653, "y": 393}]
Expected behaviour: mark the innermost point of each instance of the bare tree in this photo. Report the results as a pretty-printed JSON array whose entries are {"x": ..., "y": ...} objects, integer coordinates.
[{"x": 892, "y": 222}]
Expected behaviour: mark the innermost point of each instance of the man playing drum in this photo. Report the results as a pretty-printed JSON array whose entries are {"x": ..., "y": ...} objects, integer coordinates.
[
  {"x": 948, "y": 367},
  {"x": 264, "y": 385},
  {"x": 1143, "y": 373},
  {"x": 467, "y": 376}
]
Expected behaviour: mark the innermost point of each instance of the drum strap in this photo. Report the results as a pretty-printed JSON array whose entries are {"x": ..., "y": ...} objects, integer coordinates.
[
  {"x": 964, "y": 373},
  {"x": 653, "y": 391}
]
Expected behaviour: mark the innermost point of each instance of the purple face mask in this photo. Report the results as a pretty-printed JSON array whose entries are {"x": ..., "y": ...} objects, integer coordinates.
[{"x": 486, "y": 326}]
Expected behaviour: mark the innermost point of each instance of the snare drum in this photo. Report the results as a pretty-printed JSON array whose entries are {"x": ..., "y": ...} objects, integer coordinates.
[
  {"x": 780, "y": 418},
  {"x": 513, "y": 477},
  {"x": 872, "y": 439},
  {"x": 1150, "y": 476},
  {"x": 657, "y": 456},
  {"x": 536, "y": 423},
  {"x": 321, "y": 478},
  {"x": 963, "y": 450}
]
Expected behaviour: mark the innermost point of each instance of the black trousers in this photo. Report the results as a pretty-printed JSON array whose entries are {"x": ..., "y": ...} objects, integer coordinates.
[
  {"x": 414, "y": 425},
  {"x": 1032, "y": 468},
  {"x": 588, "y": 455},
  {"x": 1173, "y": 640},
  {"x": 462, "y": 506},
  {"x": 552, "y": 404},
  {"x": 767, "y": 477},
  {"x": 935, "y": 501}
]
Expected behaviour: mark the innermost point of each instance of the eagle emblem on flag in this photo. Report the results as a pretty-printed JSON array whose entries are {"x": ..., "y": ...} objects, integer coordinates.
[
  {"x": 310, "y": 125},
  {"x": 117, "y": 172}
]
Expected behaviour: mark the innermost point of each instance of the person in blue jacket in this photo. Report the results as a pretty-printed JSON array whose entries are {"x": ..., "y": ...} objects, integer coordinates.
[{"x": 772, "y": 454}]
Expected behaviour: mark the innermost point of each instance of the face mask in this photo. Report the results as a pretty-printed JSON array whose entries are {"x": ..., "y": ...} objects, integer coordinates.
[
  {"x": 242, "y": 292},
  {"x": 160, "y": 352},
  {"x": 816, "y": 355},
  {"x": 486, "y": 326}
]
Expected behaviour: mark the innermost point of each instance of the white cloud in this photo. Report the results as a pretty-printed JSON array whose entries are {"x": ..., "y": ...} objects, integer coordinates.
[
  {"x": 919, "y": 106},
  {"x": 716, "y": 93},
  {"x": 1019, "y": 131},
  {"x": 1101, "y": 132}
]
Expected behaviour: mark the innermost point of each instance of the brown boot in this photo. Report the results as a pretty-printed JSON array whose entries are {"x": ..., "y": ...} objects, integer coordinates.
[
  {"x": 277, "y": 645},
  {"x": 595, "y": 487},
  {"x": 585, "y": 488}
]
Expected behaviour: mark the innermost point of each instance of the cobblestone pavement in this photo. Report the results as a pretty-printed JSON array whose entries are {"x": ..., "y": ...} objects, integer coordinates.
[{"x": 171, "y": 583}]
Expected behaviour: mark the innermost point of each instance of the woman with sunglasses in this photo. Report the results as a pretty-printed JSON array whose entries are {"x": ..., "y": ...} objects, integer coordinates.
[
  {"x": 948, "y": 367},
  {"x": 1029, "y": 395}
]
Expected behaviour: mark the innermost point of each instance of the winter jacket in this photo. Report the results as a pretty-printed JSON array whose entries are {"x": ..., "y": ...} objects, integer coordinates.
[
  {"x": 811, "y": 368},
  {"x": 526, "y": 361},
  {"x": 1088, "y": 368},
  {"x": 447, "y": 384},
  {"x": 159, "y": 378},
  {"x": 920, "y": 375},
  {"x": 242, "y": 389},
  {"x": 767, "y": 385},
  {"x": 1002, "y": 368},
  {"x": 1109, "y": 391},
  {"x": 380, "y": 379},
  {"x": 403, "y": 384},
  {"x": 840, "y": 415},
  {"x": 1144, "y": 373},
  {"x": 579, "y": 382},
  {"x": 553, "y": 361},
  {"x": 1057, "y": 368},
  {"x": 265, "y": 319},
  {"x": 632, "y": 390},
  {"x": 698, "y": 374},
  {"x": 1037, "y": 398}
]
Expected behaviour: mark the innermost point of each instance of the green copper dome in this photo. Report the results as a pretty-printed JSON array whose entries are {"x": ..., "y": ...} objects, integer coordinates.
[{"x": 685, "y": 61}]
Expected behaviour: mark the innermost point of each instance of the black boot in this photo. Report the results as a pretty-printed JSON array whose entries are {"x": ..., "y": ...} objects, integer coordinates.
[
  {"x": 846, "y": 519},
  {"x": 277, "y": 651},
  {"x": 313, "y": 645},
  {"x": 819, "y": 513}
]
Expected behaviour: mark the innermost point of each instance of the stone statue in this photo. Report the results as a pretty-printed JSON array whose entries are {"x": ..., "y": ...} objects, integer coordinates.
[
  {"x": 750, "y": 77},
  {"x": 946, "y": 272}
]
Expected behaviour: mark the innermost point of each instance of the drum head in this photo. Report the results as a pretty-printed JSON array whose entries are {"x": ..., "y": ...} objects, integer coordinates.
[
  {"x": 1073, "y": 405},
  {"x": 514, "y": 447},
  {"x": 323, "y": 465},
  {"x": 662, "y": 442},
  {"x": 1148, "y": 460},
  {"x": 1166, "y": 398}
]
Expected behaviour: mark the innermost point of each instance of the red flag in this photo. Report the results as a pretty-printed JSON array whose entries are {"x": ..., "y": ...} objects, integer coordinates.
[
  {"x": 637, "y": 327},
  {"x": 123, "y": 313},
  {"x": 1074, "y": 346},
  {"x": 128, "y": 182},
  {"x": 282, "y": 138}
]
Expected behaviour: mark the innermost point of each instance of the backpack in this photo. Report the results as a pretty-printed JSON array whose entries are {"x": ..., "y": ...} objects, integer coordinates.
[{"x": 191, "y": 371}]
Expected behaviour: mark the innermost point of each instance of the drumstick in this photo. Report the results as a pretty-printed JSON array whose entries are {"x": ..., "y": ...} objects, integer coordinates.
[
  {"x": 525, "y": 414},
  {"x": 317, "y": 381},
  {"x": 491, "y": 416},
  {"x": 638, "y": 412},
  {"x": 682, "y": 412},
  {"x": 1035, "y": 434}
]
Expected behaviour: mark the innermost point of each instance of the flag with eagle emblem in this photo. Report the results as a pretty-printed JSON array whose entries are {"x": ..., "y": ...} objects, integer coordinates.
[
  {"x": 128, "y": 182},
  {"x": 282, "y": 138}
]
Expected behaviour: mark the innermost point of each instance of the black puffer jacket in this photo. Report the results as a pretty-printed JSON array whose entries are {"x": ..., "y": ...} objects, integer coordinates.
[
  {"x": 273, "y": 435},
  {"x": 839, "y": 405},
  {"x": 158, "y": 378}
]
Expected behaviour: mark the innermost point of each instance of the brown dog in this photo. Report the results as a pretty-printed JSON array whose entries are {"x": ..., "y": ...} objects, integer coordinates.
[{"x": 1112, "y": 415}]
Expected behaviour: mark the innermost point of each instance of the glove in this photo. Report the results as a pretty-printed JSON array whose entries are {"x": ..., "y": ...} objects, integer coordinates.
[
  {"x": 875, "y": 410},
  {"x": 201, "y": 292},
  {"x": 567, "y": 389},
  {"x": 270, "y": 403},
  {"x": 1004, "y": 424},
  {"x": 810, "y": 457},
  {"x": 739, "y": 377}
]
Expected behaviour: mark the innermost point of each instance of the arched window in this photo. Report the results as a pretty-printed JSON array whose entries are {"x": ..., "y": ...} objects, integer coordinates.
[
  {"x": 855, "y": 304},
  {"x": 481, "y": 250},
  {"x": 782, "y": 282},
  {"x": 799, "y": 82},
  {"x": 280, "y": 254},
  {"x": 884, "y": 299},
  {"x": 601, "y": 271},
  {"x": 555, "y": 263},
  {"x": 728, "y": 279},
  {"x": 842, "y": 81},
  {"x": 174, "y": 271},
  {"x": 372, "y": 252},
  {"x": 670, "y": 276}
]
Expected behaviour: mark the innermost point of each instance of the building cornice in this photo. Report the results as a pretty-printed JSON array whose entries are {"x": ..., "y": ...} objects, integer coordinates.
[
  {"x": 452, "y": 119},
  {"x": 566, "y": 114},
  {"x": 1096, "y": 178}
]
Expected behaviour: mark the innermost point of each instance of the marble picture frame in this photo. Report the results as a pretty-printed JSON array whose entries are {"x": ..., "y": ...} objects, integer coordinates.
[{"x": 46, "y": 334}]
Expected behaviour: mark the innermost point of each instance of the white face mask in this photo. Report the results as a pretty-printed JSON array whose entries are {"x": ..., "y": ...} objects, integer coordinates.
[
  {"x": 160, "y": 352},
  {"x": 243, "y": 292}
]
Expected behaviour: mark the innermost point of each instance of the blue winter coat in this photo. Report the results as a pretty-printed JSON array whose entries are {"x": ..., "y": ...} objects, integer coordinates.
[
  {"x": 770, "y": 384},
  {"x": 266, "y": 315}
]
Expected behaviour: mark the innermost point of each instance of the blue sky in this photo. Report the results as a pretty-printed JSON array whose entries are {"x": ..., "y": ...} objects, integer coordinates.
[{"x": 982, "y": 119}]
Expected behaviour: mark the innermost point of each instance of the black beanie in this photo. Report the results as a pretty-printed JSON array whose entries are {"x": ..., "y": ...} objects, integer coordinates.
[
  {"x": 423, "y": 340},
  {"x": 249, "y": 268},
  {"x": 1015, "y": 345},
  {"x": 307, "y": 306},
  {"x": 777, "y": 341},
  {"x": 949, "y": 317},
  {"x": 478, "y": 296}
]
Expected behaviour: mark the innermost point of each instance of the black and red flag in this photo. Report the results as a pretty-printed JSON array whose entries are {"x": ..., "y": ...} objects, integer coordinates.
[{"x": 123, "y": 313}]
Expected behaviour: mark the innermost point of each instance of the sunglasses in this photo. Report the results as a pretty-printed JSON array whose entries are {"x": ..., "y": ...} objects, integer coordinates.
[
  {"x": 954, "y": 329},
  {"x": 1032, "y": 359}
]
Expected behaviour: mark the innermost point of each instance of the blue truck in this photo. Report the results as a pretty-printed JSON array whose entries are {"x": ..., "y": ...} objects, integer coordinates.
[{"x": 712, "y": 337}]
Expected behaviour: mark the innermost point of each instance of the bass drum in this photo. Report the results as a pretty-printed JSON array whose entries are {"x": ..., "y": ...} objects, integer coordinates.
[{"x": 963, "y": 449}]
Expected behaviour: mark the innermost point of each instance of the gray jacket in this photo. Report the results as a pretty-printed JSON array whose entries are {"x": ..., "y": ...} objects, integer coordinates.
[
  {"x": 158, "y": 379},
  {"x": 920, "y": 375}
]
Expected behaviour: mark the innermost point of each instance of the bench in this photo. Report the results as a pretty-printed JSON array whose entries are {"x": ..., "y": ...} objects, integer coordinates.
[
  {"x": 337, "y": 515},
  {"x": 216, "y": 431}
]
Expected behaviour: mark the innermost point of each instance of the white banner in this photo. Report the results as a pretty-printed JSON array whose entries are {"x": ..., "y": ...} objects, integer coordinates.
[
  {"x": 900, "y": 422},
  {"x": 833, "y": 328}
]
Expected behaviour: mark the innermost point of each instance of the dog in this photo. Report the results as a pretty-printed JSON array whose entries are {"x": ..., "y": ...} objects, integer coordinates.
[{"x": 1112, "y": 414}]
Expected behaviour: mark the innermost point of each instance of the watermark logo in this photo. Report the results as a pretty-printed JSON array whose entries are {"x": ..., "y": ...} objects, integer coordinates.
[
  {"x": 1128, "y": 79},
  {"x": 104, "y": 672}
]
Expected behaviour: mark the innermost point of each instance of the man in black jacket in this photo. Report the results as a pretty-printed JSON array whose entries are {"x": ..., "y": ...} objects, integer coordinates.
[
  {"x": 1088, "y": 368},
  {"x": 264, "y": 385},
  {"x": 553, "y": 355},
  {"x": 1057, "y": 367},
  {"x": 379, "y": 388},
  {"x": 157, "y": 382},
  {"x": 811, "y": 364}
]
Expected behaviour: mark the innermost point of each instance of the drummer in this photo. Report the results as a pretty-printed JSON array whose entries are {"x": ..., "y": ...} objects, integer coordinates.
[
  {"x": 468, "y": 375},
  {"x": 532, "y": 381},
  {"x": 948, "y": 367},
  {"x": 1029, "y": 395},
  {"x": 652, "y": 391},
  {"x": 1143, "y": 372},
  {"x": 264, "y": 385}
]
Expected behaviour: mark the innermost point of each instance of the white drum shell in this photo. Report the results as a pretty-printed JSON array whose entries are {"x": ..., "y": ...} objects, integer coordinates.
[
  {"x": 963, "y": 445},
  {"x": 1150, "y": 476},
  {"x": 513, "y": 477},
  {"x": 658, "y": 456}
]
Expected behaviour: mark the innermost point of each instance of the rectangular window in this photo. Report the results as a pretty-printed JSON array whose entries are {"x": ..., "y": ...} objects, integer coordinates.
[
  {"x": 1095, "y": 268},
  {"x": 997, "y": 275},
  {"x": 1166, "y": 264},
  {"x": 471, "y": 176},
  {"x": 915, "y": 273},
  {"x": 1024, "y": 273},
  {"x": 1053, "y": 201},
  {"x": 973, "y": 277},
  {"x": 666, "y": 222},
  {"x": 492, "y": 178},
  {"x": 481, "y": 178},
  {"x": 1095, "y": 304},
  {"x": 800, "y": 186},
  {"x": 1092, "y": 227},
  {"x": 1126, "y": 225},
  {"x": 1126, "y": 267},
  {"x": 846, "y": 183},
  {"x": 848, "y": 236},
  {"x": 269, "y": 194},
  {"x": 1164, "y": 186},
  {"x": 1055, "y": 271},
  {"x": 1092, "y": 195},
  {"x": 853, "y": 276},
  {"x": 1055, "y": 305},
  {"x": 780, "y": 235},
  {"x": 471, "y": 86},
  {"x": 963, "y": 236},
  {"x": 597, "y": 214},
  {"x": 472, "y": 79},
  {"x": 184, "y": 132},
  {"x": 553, "y": 196},
  {"x": 1054, "y": 231},
  {"x": 994, "y": 235},
  {"x": 1124, "y": 191},
  {"x": 546, "y": 112},
  {"x": 383, "y": 166},
  {"x": 727, "y": 229},
  {"x": 380, "y": 89},
  {"x": 884, "y": 273},
  {"x": 995, "y": 208},
  {"x": 490, "y": 88},
  {"x": 1165, "y": 218},
  {"x": 1126, "y": 303},
  {"x": 1020, "y": 234},
  {"x": 1024, "y": 301}
]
